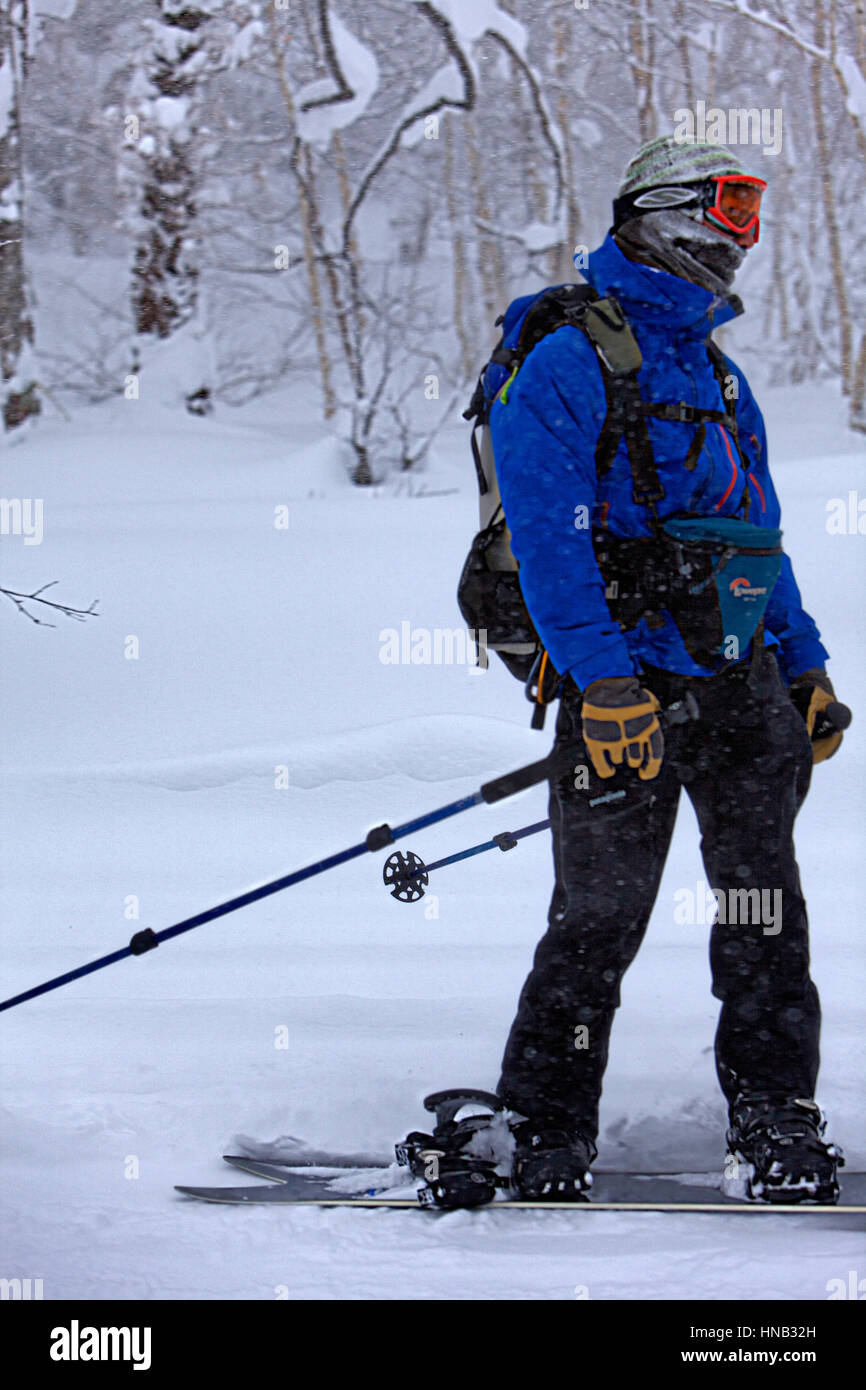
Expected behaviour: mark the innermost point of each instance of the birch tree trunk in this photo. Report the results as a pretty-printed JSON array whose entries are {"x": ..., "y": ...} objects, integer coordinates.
[
  {"x": 684, "y": 47},
  {"x": 20, "y": 400},
  {"x": 563, "y": 65},
  {"x": 460, "y": 268},
  {"x": 643, "y": 47},
  {"x": 278, "y": 43},
  {"x": 491, "y": 270},
  {"x": 828, "y": 193},
  {"x": 857, "y": 419},
  {"x": 858, "y": 116}
]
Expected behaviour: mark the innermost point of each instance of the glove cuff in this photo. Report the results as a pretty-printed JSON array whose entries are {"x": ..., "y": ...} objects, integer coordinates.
[
  {"x": 816, "y": 676},
  {"x": 615, "y": 691}
]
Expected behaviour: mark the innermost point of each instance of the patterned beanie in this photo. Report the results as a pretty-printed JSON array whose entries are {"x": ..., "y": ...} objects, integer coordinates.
[{"x": 671, "y": 161}]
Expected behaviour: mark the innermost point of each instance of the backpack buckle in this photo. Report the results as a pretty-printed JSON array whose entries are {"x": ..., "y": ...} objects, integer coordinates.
[{"x": 688, "y": 414}]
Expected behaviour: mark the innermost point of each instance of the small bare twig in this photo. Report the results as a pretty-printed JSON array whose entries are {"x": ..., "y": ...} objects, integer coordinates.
[{"x": 77, "y": 614}]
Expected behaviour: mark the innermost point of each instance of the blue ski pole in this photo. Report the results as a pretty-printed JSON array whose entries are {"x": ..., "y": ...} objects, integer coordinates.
[
  {"x": 377, "y": 838},
  {"x": 407, "y": 876}
]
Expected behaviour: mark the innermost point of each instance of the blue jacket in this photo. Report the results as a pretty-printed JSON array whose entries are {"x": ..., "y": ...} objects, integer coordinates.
[{"x": 544, "y": 437}]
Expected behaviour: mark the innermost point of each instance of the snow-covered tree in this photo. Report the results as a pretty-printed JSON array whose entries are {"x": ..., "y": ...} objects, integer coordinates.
[
  {"x": 360, "y": 188},
  {"x": 354, "y": 135},
  {"x": 165, "y": 132}
]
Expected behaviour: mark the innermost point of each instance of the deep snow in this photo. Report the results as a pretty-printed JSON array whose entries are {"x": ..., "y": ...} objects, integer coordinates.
[{"x": 155, "y": 777}]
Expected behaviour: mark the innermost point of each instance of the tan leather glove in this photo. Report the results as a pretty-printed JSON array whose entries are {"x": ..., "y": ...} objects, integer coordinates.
[
  {"x": 812, "y": 692},
  {"x": 620, "y": 723}
]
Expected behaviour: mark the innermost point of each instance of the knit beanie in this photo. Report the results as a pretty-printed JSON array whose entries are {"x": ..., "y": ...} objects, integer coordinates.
[{"x": 667, "y": 160}]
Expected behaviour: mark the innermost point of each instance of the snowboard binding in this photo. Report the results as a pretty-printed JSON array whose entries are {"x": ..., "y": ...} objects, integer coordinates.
[{"x": 457, "y": 1160}]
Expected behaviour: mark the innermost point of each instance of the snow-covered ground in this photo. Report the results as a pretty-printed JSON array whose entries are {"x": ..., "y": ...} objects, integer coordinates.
[{"x": 142, "y": 772}]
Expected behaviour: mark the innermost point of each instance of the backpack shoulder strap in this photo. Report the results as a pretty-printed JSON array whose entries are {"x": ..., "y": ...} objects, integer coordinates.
[
  {"x": 619, "y": 357},
  {"x": 620, "y": 360},
  {"x": 541, "y": 315},
  {"x": 524, "y": 324},
  {"x": 554, "y": 308},
  {"x": 609, "y": 331}
]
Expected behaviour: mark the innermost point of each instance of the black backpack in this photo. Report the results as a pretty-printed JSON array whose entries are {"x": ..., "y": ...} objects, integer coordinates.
[
  {"x": 489, "y": 593},
  {"x": 635, "y": 573}
]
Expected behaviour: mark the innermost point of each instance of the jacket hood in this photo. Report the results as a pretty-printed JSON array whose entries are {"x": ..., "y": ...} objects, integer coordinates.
[{"x": 655, "y": 296}]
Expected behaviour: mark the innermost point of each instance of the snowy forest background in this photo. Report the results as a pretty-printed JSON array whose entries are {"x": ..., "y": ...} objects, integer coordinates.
[{"x": 237, "y": 193}]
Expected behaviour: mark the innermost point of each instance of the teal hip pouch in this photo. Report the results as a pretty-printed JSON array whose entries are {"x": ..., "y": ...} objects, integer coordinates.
[{"x": 720, "y": 574}]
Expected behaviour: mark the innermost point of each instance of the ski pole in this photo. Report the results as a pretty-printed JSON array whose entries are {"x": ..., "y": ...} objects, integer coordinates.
[
  {"x": 833, "y": 719},
  {"x": 406, "y": 875},
  {"x": 378, "y": 838}
]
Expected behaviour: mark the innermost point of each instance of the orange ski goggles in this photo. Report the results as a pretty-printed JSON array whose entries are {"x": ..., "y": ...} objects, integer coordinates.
[{"x": 736, "y": 206}]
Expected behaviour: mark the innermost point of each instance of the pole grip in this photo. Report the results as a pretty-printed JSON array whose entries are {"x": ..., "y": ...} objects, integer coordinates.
[
  {"x": 838, "y": 714},
  {"x": 518, "y": 781}
]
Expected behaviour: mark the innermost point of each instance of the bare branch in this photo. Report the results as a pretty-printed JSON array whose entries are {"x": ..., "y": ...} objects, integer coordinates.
[
  {"x": 768, "y": 22},
  {"x": 79, "y": 615}
]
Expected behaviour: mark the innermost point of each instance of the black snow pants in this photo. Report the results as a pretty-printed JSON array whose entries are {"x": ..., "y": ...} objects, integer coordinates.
[{"x": 745, "y": 764}]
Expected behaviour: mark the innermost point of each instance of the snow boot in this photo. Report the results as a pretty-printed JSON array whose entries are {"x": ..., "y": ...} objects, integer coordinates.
[
  {"x": 777, "y": 1151},
  {"x": 551, "y": 1164}
]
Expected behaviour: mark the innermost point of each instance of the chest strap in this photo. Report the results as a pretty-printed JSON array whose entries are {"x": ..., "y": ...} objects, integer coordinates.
[{"x": 627, "y": 414}]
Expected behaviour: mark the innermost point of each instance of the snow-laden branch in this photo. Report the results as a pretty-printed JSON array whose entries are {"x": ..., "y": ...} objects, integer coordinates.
[
  {"x": 768, "y": 21},
  {"x": 417, "y": 111},
  {"x": 344, "y": 91},
  {"x": 460, "y": 24},
  {"x": 537, "y": 238},
  {"x": 320, "y": 110},
  {"x": 472, "y": 19},
  {"x": 853, "y": 85}
]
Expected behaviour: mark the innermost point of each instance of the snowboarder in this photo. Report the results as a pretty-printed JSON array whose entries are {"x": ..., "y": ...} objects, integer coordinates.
[{"x": 684, "y": 218}]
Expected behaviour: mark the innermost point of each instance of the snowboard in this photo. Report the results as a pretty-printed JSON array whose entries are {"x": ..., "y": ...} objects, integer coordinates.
[{"x": 331, "y": 1183}]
